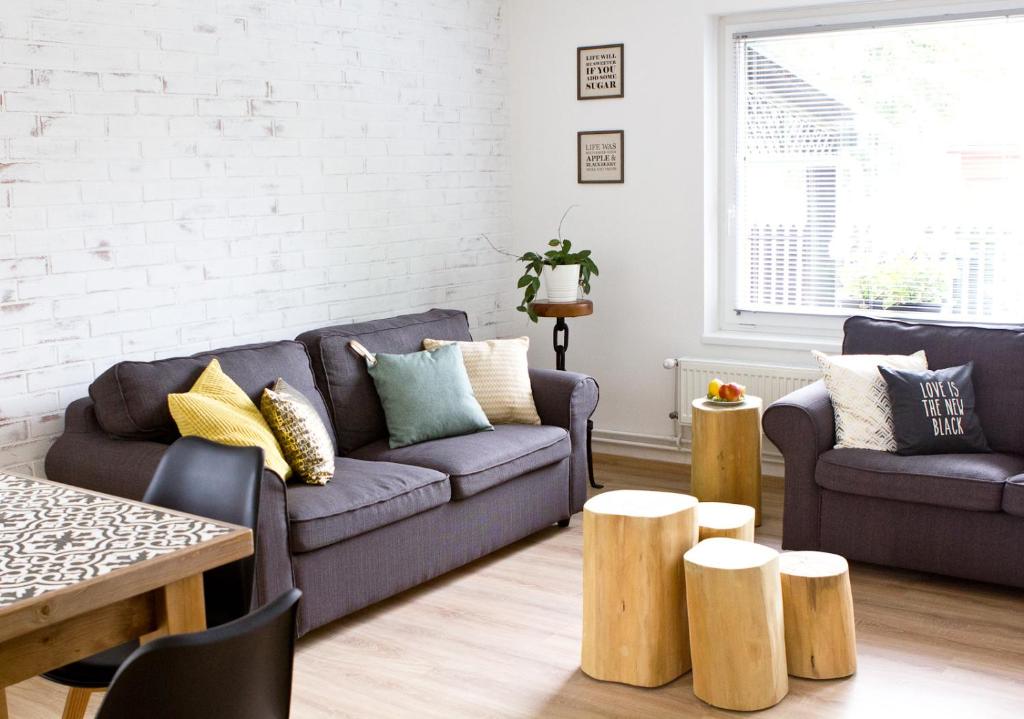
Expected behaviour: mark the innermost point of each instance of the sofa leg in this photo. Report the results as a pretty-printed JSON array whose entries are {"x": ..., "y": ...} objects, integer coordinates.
[{"x": 563, "y": 522}]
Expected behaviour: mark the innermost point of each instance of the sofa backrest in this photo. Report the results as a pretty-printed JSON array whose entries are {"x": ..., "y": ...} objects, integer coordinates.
[
  {"x": 130, "y": 398},
  {"x": 998, "y": 355},
  {"x": 341, "y": 373}
]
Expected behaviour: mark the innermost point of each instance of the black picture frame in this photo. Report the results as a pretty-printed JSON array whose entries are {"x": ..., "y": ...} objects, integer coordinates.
[
  {"x": 621, "y": 144},
  {"x": 619, "y": 76}
]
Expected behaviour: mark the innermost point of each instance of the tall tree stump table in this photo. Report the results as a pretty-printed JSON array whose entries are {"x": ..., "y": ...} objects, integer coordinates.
[
  {"x": 726, "y": 453},
  {"x": 634, "y": 591},
  {"x": 560, "y": 311}
]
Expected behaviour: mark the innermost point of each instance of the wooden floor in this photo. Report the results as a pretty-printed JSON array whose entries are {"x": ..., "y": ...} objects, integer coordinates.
[{"x": 501, "y": 638}]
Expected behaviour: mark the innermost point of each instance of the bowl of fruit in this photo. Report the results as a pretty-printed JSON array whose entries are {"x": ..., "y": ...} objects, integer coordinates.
[{"x": 729, "y": 393}]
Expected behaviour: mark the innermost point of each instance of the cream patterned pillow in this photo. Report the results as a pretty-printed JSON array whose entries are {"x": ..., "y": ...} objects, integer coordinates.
[
  {"x": 500, "y": 377},
  {"x": 860, "y": 398}
]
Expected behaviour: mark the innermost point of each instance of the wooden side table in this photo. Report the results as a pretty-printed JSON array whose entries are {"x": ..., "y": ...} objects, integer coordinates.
[
  {"x": 721, "y": 519},
  {"x": 560, "y": 340},
  {"x": 726, "y": 453},
  {"x": 634, "y": 595},
  {"x": 821, "y": 640},
  {"x": 737, "y": 639}
]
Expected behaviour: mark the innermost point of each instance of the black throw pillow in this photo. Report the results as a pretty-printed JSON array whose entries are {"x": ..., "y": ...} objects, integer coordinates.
[{"x": 933, "y": 410}]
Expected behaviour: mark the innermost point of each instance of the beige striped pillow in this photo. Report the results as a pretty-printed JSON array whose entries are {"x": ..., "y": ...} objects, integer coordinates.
[{"x": 500, "y": 377}]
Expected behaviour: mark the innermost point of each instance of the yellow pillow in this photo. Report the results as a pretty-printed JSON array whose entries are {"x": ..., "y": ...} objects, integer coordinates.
[
  {"x": 500, "y": 376},
  {"x": 219, "y": 410},
  {"x": 300, "y": 431}
]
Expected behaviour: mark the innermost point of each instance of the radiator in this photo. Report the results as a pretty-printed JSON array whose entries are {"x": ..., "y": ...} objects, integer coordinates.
[{"x": 769, "y": 382}]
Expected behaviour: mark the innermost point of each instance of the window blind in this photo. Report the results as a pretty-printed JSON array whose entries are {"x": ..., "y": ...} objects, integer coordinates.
[{"x": 881, "y": 169}]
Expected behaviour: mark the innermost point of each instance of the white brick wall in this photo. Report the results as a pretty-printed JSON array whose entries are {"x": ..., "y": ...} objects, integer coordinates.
[{"x": 177, "y": 175}]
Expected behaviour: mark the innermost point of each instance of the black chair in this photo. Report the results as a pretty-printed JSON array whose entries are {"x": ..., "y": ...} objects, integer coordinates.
[
  {"x": 203, "y": 478},
  {"x": 239, "y": 670}
]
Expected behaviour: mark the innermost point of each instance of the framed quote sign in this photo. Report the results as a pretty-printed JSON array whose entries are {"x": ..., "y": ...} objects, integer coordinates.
[
  {"x": 599, "y": 72},
  {"x": 600, "y": 156}
]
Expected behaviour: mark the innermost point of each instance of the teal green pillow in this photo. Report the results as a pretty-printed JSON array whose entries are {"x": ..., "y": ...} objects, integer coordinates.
[{"x": 426, "y": 395}]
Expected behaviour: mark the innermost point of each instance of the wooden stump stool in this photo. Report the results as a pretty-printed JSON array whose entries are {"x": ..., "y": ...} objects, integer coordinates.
[
  {"x": 821, "y": 641},
  {"x": 726, "y": 456},
  {"x": 737, "y": 640},
  {"x": 721, "y": 519},
  {"x": 634, "y": 596}
]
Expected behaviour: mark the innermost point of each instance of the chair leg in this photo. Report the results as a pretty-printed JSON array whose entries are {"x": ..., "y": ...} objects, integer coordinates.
[{"x": 76, "y": 703}]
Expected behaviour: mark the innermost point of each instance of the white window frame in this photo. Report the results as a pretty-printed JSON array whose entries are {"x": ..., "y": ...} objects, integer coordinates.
[{"x": 724, "y": 324}]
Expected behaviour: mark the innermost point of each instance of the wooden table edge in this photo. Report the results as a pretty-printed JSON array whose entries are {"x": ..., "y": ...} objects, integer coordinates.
[{"x": 61, "y": 604}]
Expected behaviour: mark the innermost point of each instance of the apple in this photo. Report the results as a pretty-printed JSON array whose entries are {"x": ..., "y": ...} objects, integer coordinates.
[
  {"x": 731, "y": 392},
  {"x": 713, "y": 387}
]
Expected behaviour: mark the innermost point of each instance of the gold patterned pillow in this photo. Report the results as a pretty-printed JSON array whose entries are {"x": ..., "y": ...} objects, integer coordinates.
[
  {"x": 500, "y": 376},
  {"x": 300, "y": 432}
]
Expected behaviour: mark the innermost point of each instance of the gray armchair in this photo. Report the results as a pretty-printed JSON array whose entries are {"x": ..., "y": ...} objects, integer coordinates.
[{"x": 955, "y": 514}]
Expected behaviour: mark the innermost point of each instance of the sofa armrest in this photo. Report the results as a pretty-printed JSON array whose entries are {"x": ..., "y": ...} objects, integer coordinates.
[
  {"x": 85, "y": 456},
  {"x": 567, "y": 399},
  {"x": 273, "y": 574},
  {"x": 802, "y": 426}
]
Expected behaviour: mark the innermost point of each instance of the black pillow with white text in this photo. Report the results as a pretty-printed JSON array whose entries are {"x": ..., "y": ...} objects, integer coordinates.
[{"x": 933, "y": 410}]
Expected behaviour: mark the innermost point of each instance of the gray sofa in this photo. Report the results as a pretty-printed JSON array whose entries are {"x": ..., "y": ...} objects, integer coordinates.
[
  {"x": 390, "y": 519},
  {"x": 955, "y": 514}
]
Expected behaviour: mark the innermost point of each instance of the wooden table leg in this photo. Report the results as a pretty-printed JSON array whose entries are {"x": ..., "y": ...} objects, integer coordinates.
[
  {"x": 77, "y": 702},
  {"x": 3, "y": 703},
  {"x": 180, "y": 608}
]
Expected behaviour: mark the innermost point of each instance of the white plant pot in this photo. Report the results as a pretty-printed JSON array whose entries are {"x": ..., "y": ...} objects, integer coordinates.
[{"x": 562, "y": 283}]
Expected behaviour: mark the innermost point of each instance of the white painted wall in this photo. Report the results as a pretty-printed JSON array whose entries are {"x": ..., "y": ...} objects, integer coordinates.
[
  {"x": 651, "y": 235},
  {"x": 177, "y": 175}
]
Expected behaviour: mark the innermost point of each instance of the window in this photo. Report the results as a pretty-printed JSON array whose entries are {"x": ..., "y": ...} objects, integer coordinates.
[{"x": 878, "y": 168}]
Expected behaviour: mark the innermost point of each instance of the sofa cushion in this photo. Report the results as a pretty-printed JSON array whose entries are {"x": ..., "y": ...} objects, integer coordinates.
[
  {"x": 998, "y": 355},
  {"x": 351, "y": 396},
  {"x": 131, "y": 397},
  {"x": 475, "y": 462},
  {"x": 961, "y": 481},
  {"x": 1013, "y": 496},
  {"x": 361, "y": 497}
]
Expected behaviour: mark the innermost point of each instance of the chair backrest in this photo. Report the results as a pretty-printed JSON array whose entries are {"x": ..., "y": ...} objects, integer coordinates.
[
  {"x": 239, "y": 670},
  {"x": 219, "y": 482}
]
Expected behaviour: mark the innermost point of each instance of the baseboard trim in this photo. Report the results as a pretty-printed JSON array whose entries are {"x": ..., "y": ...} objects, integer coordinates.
[{"x": 663, "y": 448}]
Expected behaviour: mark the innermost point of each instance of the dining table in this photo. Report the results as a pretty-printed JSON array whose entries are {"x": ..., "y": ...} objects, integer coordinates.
[{"x": 82, "y": 571}]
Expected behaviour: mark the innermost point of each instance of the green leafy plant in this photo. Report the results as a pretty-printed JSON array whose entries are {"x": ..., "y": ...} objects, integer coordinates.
[
  {"x": 560, "y": 254},
  {"x": 894, "y": 282}
]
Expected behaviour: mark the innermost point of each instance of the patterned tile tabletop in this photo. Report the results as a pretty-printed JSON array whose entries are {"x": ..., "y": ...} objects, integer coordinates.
[{"x": 53, "y": 535}]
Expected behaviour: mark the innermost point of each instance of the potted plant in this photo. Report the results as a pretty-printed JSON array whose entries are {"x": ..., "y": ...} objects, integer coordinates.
[
  {"x": 564, "y": 273},
  {"x": 904, "y": 284}
]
